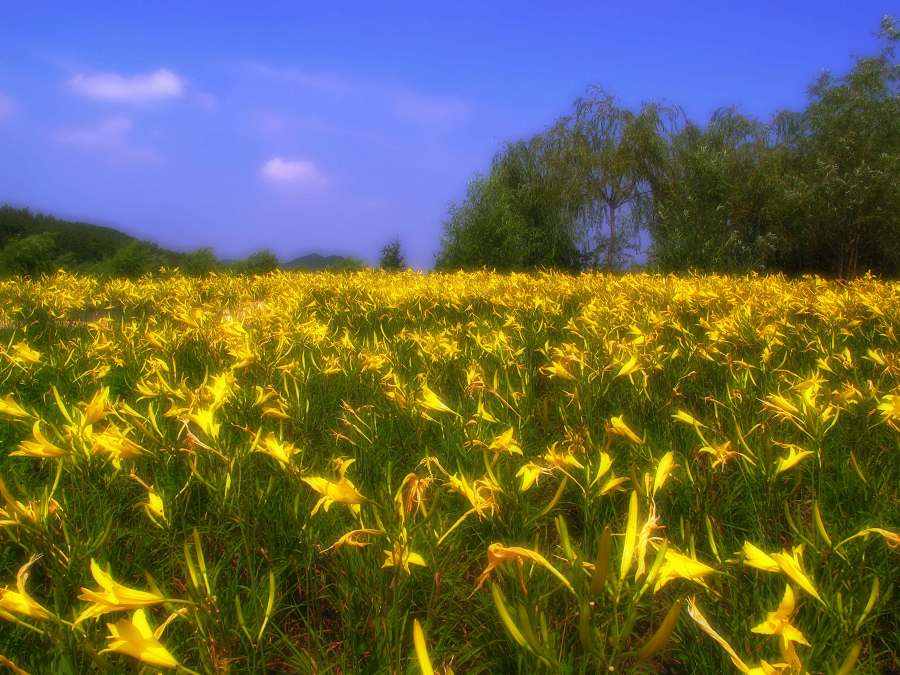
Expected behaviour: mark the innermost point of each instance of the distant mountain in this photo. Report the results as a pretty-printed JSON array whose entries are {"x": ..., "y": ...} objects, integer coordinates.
[{"x": 315, "y": 262}]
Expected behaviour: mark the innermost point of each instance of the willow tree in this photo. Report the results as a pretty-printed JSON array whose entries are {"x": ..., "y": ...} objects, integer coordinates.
[{"x": 607, "y": 154}]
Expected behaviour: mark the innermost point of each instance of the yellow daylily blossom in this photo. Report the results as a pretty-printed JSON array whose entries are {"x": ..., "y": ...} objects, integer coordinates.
[
  {"x": 889, "y": 408},
  {"x": 687, "y": 418},
  {"x": 618, "y": 427},
  {"x": 795, "y": 455},
  {"x": 421, "y": 649},
  {"x": 280, "y": 451},
  {"x": 630, "y": 536},
  {"x": 529, "y": 473},
  {"x": 431, "y": 401},
  {"x": 401, "y": 556},
  {"x": 629, "y": 367},
  {"x": 779, "y": 622},
  {"x": 505, "y": 443},
  {"x": 12, "y": 409},
  {"x": 135, "y": 638},
  {"x": 114, "y": 442},
  {"x": 39, "y": 447},
  {"x": 112, "y": 596},
  {"x": 354, "y": 538},
  {"x": 97, "y": 407},
  {"x": 498, "y": 554},
  {"x": 22, "y": 353},
  {"x": 764, "y": 668},
  {"x": 663, "y": 469},
  {"x": 892, "y": 539},
  {"x": 19, "y": 601},
  {"x": 789, "y": 564},
  {"x": 679, "y": 566},
  {"x": 342, "y": 491},
  {"x": 755, "y": 557}
]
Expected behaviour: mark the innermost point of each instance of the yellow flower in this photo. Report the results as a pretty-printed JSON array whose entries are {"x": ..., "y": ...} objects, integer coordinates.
[
  {"x": 22, "y": 353},
  {"x": 629, "y": 367},
  {"x": 402, "y": 556},
  {"x": 421, "y": 649},
  {"x": 354, "y": 538},
  {"x": 679, "y": 566},
  {"x": 39, "y": 447},
  {"x": 19, "y": 601},
  {"x": 342, "y": 491},
  {"x": 789, "y": 564},
  {"x": 779, "y": 622},
  {"x": 663, "y": 469},
  {"x": 763, "y": 669},
  {"x": 890, "y": 410},
  {"x": 113, "y": 442},
  {"x": 135, "y": 638},
  {"x": 430, "y": 401},
  {"x": 280, "y": 451},
  {"x": 12, "y": 409},
  {"x": 97, "y": 408},
  {"x": 529, "y": 473},
  {"x": 618, "y": 427},
  {"x": 112, "y": 596},
  {"x": 755, "y": 557},
  {"x": 498, "y": 554},
  {"x": 795, "y": 455},
  {"x": 505, "y": 443}
]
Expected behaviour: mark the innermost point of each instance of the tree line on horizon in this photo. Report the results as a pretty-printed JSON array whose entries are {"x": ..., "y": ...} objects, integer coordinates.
[{"x": 809, "y": 191}]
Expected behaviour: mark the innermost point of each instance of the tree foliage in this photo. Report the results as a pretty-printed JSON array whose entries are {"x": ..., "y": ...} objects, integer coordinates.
[
  {"x": 809, "y": 191},
  {"x": 392, "y": 256}
]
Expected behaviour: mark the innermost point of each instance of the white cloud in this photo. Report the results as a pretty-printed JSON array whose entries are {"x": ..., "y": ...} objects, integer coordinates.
[
  {"x": 158, "y": 85},
  {"x": 111, "y": 135},
  {"x": 7, "y": 106},
  {"x": 293, "y": 172}
]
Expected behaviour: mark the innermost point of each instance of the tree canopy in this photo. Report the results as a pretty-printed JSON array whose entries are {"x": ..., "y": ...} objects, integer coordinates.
[{"x": 815, "y": 190}]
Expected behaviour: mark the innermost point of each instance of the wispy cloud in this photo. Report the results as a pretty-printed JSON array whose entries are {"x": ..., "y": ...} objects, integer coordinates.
[
  {"x": 401, "y": 101},
  {"x": 293, "y": 172},
  {"x": 111, "y": 135},
  {"x": 430, "y": 110},
  {"x": 299, "y": 76},
  {"x": 7, "y": 106},
  {"x": 159, "y": 85}
]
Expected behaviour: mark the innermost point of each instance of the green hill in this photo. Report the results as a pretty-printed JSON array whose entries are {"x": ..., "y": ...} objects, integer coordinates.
[
  {"x": 315, "y": 262},
  {"x": 82, "y": 242}
]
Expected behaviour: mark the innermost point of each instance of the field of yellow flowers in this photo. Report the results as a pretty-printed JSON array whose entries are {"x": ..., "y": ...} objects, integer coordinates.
[{"x": 470, "y": 473}]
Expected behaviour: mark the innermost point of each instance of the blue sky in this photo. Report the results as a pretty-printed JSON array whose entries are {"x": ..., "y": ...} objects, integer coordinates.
[{"x": 333, "y": 127}]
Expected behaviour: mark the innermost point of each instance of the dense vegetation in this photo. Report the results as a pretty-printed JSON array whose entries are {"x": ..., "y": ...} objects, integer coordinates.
[
  {"x": 514, "y": 473},
  {"x": 32, "y": 244},
  {"x": 815, "y": 190}
]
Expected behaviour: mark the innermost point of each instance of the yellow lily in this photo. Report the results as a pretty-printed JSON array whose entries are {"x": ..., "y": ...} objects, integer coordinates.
[
  {"x": 618, "y": 427},
  {"x": 663, "y": 469},
  {"x": 779, "y": 622},
  {"x": 431, "y": 401},
  {"x": 505, "y": 443},
  {"x": 12, "y": 409},
  {"x": 39, "y": 447},
  {"x": 679, "y": 566},
  {"x": 795, "y": 455},
  {"x": 342, "y": 491},
  {"x": 401, "y": 556},
  {"x": 19, "y": 601},
  {"x": 280, "y": 451},
  {"x": 498, "y": 554},
  {"x": 112, "y": 596},
  {"x": 135, "y": 638},
  {"x": 789, "y": 564}
]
